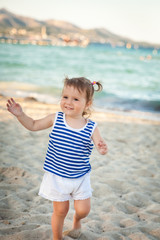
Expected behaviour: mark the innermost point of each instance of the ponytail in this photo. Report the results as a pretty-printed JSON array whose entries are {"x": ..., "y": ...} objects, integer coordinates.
[{"x": 100, "y": 87}]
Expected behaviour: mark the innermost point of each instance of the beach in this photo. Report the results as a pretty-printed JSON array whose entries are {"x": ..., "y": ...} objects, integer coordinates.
[{"x": 125, "y": 182}]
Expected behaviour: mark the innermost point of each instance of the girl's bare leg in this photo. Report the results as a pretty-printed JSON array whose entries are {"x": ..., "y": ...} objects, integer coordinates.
[
  {"x": 82, "y": 209},
  {"x": 60, "y": 210}
]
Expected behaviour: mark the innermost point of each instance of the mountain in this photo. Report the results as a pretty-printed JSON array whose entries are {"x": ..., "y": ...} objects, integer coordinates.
[{"x": 9, "y": 20}]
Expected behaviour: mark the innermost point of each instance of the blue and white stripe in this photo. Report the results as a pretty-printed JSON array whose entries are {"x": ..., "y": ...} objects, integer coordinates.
[{"x": 69, "y": 149}]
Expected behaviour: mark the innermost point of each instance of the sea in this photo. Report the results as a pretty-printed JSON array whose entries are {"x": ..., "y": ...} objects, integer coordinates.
[{"x": 130, "y": 77}]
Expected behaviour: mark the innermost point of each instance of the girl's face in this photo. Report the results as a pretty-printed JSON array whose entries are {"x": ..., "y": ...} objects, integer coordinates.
[{"x": 73, "y": 102}]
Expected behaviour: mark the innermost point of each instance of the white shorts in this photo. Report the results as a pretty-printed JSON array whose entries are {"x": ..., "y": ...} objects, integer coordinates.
[{"x": 56, "y": 188}]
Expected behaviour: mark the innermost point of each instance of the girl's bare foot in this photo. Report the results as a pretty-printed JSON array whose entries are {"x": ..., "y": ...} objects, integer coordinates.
[{"x": 74, "y": 233}]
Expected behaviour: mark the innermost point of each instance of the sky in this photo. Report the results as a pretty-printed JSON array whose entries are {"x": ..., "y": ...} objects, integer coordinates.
[{"x": 138, "y": 20}]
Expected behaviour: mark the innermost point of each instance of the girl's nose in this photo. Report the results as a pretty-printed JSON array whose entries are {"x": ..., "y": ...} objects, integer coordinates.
[{"x": 69, "y": 101}]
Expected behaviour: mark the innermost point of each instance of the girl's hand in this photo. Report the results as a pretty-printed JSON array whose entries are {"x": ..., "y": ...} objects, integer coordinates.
[
  {"x": 102, "y": 147},
  {"x": 99, "y": 142},
  {"x": 14, "y": 108}
]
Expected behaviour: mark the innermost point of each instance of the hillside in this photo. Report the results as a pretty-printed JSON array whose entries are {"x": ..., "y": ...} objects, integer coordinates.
[{"x": 53, "y": 28}]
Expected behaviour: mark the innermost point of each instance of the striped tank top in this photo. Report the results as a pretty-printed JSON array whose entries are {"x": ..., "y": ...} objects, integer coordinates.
[{"x": 69, "y": 149}]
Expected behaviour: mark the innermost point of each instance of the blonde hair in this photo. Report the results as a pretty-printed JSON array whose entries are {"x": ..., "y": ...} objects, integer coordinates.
[{"x": 83, "y": 84}]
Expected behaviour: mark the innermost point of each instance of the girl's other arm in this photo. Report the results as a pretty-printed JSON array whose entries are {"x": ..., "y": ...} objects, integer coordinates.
[
  {"x": 26, "y": 121},
  {"x": 99, "y": 142}
]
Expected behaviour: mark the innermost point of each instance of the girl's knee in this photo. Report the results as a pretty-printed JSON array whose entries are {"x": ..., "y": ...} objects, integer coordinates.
[
  {"x": 60, "y": 209},
  {"x": 61, "y": 212},
  {"x": 82, "y": 212}
]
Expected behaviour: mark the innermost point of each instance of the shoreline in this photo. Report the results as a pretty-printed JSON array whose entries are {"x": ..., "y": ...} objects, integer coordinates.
[
  {"x": 99, "y": 115},
  {"x": 31, "y": 92}
]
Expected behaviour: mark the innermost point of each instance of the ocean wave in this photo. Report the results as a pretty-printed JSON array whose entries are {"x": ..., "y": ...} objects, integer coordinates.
[{"x": 123, "y": 104}]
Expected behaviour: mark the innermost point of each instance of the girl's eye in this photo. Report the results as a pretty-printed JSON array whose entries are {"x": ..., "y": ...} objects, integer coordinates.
[
  {"x": 65, "y": 97},
  {"x": 76, "y": 99}
]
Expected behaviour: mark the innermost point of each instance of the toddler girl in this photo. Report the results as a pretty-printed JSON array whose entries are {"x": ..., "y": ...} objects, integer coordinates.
[{"x": 67, "y": 167}]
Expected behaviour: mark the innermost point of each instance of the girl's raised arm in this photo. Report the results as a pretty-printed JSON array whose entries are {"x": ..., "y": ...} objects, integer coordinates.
[
  {"x": 99, "y": 142},
  {"x": 26, "y": 121}
]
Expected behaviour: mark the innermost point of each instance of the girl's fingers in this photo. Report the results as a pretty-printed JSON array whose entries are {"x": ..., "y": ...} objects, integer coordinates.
[
  {"x": 12, "y": 100},
  {"x": 9, "y": 102}
]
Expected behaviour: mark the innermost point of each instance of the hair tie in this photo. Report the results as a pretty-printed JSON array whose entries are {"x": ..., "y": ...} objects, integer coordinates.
[{"x": 94, "y": 82}]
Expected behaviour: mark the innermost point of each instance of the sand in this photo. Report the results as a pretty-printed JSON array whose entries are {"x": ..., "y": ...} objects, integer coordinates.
[{"x": 126, "y": 182}]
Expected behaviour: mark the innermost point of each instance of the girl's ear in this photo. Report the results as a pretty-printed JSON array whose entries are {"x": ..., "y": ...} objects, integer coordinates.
[{"x": 89, "y": 104}]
